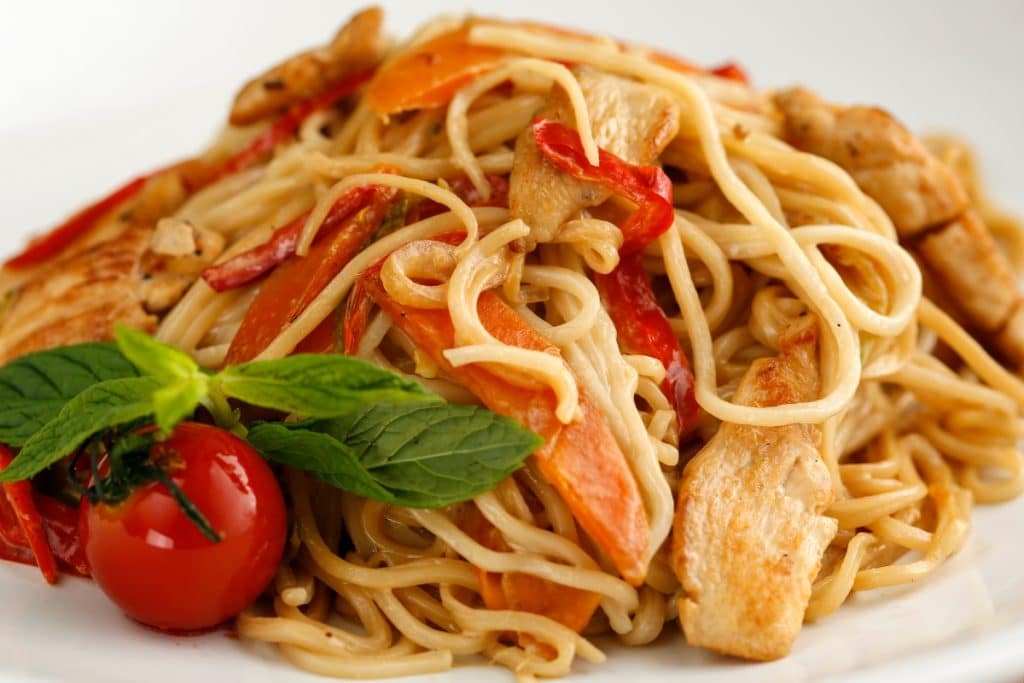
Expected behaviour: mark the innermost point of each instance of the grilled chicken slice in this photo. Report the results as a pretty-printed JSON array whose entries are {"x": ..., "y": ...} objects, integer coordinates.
[
  {"x": 358, "y": 46},
  {"x": 885, "y": 159},
  {"x": 749, "y": 531},
  {"x": 631, "y": 120},
  {"x": 79, "y": 298},
  {"x": 928, "y": 206}
]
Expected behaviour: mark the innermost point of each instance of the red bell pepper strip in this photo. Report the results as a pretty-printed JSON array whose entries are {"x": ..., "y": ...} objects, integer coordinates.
[
  {"x": 19, "y": 495},
  {"x": 643, "y": 328},
  {"x": 52, "y": 243},
  {"x": 639, "y": 320},
  {"x": 293, "y": 285},
  {"x": 647, "y": 186},
  {"x": 463, "y": 187},
  {"x": 285, "y": 127},
  {"x": 250, "y": 265},
  {"x": 196, "y": 174},
  {"x": 61, "y": 522},
  {"x": 732, "y": 71},
  {"x": 581, "y": 460}
]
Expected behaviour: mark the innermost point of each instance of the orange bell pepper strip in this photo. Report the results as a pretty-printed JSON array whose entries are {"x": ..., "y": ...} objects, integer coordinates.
[
  {"x": 298, "y": 280},
  {"x": 571, "y": 607},
  {"x": 429, "y": 75},
  {"x": 581, "y": 459},
  {"x": 20, "y": 497}
]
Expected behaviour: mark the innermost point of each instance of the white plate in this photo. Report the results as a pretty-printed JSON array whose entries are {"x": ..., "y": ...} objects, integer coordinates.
[{"x": 95, "y": 92}]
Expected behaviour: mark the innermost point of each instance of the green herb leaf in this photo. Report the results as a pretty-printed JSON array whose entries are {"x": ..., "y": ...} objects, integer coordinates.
[
  {"x": 416, "y": 455},
  {"x": 102, "y": 406},
  {"x": 153, "y": 358},
  {"x": 320, "y": 454},
  {"x": 317, "y": 385},
  {"x": 174, "y": 403},
  {"x": 34, "y": 388}
]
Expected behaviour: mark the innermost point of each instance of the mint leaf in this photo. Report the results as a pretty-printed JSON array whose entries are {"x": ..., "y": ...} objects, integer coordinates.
[
  {"x": 317, "y": 385},
  {"x": 423, "y": 455},
  {"x": 174, "y": 403},
  {"x": 154, "y": 358},
  {"x": 102, "y": 406},
  {"x": 34, "y": 388},
  {"x": 443, "y": 453},
  {"x": 320, "y": 454}
]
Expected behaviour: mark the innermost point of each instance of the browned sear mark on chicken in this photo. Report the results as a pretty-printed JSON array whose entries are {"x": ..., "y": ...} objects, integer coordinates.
[
  {"x": 928, "y": 206},
  {"x": 128, "y": 278},
  {"x": 357, "y": 47},
  {"x": 749, "y": 531}
]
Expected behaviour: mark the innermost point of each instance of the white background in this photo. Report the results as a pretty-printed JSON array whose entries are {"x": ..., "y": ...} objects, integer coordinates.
[
  {"x": 136, "y": 84},
  {"x": 95, "y": 91}
]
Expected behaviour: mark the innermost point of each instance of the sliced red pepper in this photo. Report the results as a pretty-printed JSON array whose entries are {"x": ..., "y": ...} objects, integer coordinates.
[
  {"x": 196, "y": 174},
  {"x": 646, "y": 186},
  {"x": 250, "y": 265},
  {"x": 464, "y": 188},
  {"x": 19, "y": 495},
  {"x": 284, "y": 127},
  {"x": 61, "y": 522},
  {"x": 293, "y": 285},
  {"x": 732, "y": 71},
  {"x": 52, "y": 243},
  {"x": 641, "y": 324},
  {"x": 643, "y": 328}
]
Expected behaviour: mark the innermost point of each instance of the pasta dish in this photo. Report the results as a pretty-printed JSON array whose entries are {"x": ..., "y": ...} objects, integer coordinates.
[{"x": 513, "y": 337}]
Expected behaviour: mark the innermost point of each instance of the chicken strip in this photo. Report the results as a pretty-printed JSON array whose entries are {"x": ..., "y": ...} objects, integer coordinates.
[
  {"x": 885, "y": 159},
  {"x": 358, "y": 46},
  {"x": 928, "y": 206},
  {"x": 126, "y": 279},
  {"x": 749, "y": 532},
  {"x": 631, "y": 120}
]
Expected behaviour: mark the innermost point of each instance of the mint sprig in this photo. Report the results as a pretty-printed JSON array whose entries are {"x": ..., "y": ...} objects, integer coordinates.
[
  {"x": 367, "y": 430},
  {"x": 413, "y": 455}
]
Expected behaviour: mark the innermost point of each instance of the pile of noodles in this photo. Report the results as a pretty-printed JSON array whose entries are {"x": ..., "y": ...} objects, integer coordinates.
[{"x": 371, "y": 590}]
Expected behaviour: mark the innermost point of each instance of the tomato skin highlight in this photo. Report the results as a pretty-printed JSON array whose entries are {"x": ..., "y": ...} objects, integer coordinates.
[{"x": 156, "y": 565}]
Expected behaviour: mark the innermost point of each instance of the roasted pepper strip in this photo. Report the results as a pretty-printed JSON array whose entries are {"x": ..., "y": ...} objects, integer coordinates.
[
  {"x": 581, "y": 459},
  {"x": 647, "y": 186},
  {"x": 47, "y": 246},
  {"x": 19, "y": 495},
  {"x": 643, "y": 328},
  {"x": 250, "y": 265},
  {"x": 196, "y": 173},
  {"x": 569, "y": 606},
  {"x": 639, "y": 320},
  {"x": 284, "y": 127},
  {"x": 293, "y": 285}
]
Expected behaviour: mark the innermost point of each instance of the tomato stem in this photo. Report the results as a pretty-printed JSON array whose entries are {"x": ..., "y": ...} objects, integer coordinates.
[{"x": 187, "y": 506}]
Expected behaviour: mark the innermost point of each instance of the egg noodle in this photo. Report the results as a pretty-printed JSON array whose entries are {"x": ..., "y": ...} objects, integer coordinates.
[{"x": 912, "y": 439}]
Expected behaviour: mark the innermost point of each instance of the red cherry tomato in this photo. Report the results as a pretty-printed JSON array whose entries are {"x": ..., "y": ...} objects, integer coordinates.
[{"x": 155, "y": 564}]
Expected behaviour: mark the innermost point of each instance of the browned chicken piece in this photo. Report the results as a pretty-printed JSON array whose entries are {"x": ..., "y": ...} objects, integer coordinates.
[
  {"x": 749, "y": 531},
  {"x": 631, "y": 120},
  {"x": 928, "y": 206},
  {"x": 969, "y": 265},
  {"x": 126, "y": 279},
  {"x": 358, "y": 46},
  {"x": 885, "y": 159}
]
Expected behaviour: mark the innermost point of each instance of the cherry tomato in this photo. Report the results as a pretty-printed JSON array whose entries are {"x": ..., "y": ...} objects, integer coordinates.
[{"x": 157, "y": 566}]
